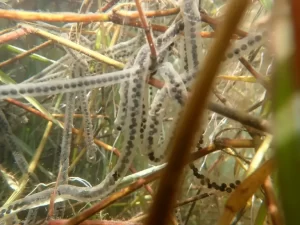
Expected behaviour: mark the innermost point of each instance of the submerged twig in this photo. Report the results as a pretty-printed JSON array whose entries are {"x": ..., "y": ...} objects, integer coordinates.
[{"x": 188, "y": 127}]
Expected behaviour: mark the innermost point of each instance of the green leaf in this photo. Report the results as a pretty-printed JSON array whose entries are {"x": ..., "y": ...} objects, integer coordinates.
[
  {"x": 287, "y": 139},
  {"x": 34, "y": 56}
]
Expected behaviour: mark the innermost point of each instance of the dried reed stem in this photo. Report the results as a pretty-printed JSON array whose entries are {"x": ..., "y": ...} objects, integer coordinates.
[
  {"x": 189, "y": 122},
  {"x": 77, "y": 47}
]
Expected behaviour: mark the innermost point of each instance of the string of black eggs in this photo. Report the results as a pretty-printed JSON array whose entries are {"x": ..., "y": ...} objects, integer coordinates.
[{"x": 205, "y": 181}]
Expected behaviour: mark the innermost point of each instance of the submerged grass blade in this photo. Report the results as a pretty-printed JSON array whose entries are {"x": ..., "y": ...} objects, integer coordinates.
[{"x": 34, "y": 56}]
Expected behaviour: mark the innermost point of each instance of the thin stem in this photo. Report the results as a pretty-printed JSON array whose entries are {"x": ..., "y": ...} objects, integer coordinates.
[
  {"x": 148, "y": 14},
  {"x": 24, "y": 54},
  {"x": 109, "y": 5},
  {"x": 79, "y": 116},
  {"x": 95, "y": 222},
  {"x": 53, "y": 17},
  {"x": 261, "y": 79},
  {"x": 14, "y": 34},
  {"x": 192, "y": 207},
  {"x": 74, "y": 46},
  {"x": 272, "y": 202},
  {"x": 147, "y": 29}
]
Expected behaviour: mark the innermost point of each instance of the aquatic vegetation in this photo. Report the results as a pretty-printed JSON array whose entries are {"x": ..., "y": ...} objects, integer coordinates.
[{"x": 122, "y": 78}]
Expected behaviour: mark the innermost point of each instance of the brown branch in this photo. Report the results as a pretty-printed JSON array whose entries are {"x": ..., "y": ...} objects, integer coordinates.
[
  {"x": 261, "y": 79},
  {"x": 215, "y": 22},
  {"x": 109, "y": 5},
  {"x": 229, "y": 143},
  {"x": 111, "y": 199},
  {"x": 116, "y": 16},
  {"x": 24, "y": 54},
  {"x": 272, "y": 203},
  {"x": 76, "y": 17},
  {"x": 242, "y": 117},
  {"x": 95, "y": 222},
  {"x": 188, "y": 125},
  {"x": 7, "y": 30},
  {"x": 53, "y": 196},
  {"x": 157, "y": 27},
  {"x": 129, "y": 18},
  {"x": 13, "y": 34},
  {"x": 53, "y": 17},
  {"x": 147, "y": 29},
  {"x": 195, "y": 198},
  {"x": 182, "y": 203}
]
